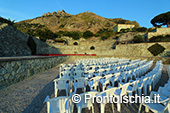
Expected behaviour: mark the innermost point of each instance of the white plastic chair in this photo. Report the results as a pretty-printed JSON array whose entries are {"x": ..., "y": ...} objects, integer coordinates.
[
  {"x": 121, "y": 92},
  {"x": 78, "y": 73},
  {"x": 107, "y": 93},
  {"x": 61, "y": 104},
  {"x": 156, "y": 107},
  {"x": 89, "y": 102},
  {"x": 94, "y": 82},
  {"x": 80, "y": 83},
  {"x": 61, "y": 84},
  {"x": 130, "y": 89}
]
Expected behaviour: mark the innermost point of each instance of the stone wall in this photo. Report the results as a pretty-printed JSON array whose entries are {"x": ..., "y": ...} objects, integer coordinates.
[
  {"x": 16, "y": 69},
  {"x": 139, "y": 49},
  {"x": 14, "y": 43}
]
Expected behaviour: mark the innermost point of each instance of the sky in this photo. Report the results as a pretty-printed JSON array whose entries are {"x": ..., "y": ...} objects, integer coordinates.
[{"x": 141, "y": 11}]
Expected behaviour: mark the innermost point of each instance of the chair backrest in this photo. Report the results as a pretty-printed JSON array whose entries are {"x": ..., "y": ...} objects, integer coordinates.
[
  {"x": 57, "y": 104},
  {"x": 61, "y": 82},
  {"x": 78, "y": 73},
  {"x": 81, "y": 82},
  {"x": 135, "y": 86},
  {"x": 89, "y": 102},
  {"x": 124, "y": 89}
]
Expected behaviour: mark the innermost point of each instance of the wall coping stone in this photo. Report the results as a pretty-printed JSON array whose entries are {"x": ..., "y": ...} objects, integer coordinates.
[{"x": 19, "y": 58}]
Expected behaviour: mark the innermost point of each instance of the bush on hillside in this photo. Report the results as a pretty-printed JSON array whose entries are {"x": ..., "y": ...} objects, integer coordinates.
[
  {"x": 160, "y": 38},
  {"x": 92, "y": 48},
  {"x": 125, "y": 30},
  {"x": 138, "y": 39},
  {"x": 9, "y": 21},
  {"x": 44, "y": 34},
  {"x": 139, "y": 29},
  {"x": 87, "y": 34},
  {"x": 105, "y": 37},
  {"x": 104, "y": 32},
  {"x": 74, "y": 34},
  {"x": 156, "y": 38}
]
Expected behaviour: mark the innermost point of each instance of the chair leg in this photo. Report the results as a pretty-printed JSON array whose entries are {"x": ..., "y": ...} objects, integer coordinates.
[
  {"x": 146, "y": 109},
  {"x": 140, "y": 108},
  {"x": 113, "y": 108},
  {"x": 130, "y": 94},
  {"x": 118, "y": 107},
  {"x": 79, "y": 110},
  {"x": 102, "y": 106},
  {"x": 92, "y": 109}
]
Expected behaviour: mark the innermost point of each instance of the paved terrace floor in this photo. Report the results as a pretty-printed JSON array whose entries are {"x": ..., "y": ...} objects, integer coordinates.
[{"x": 28, "y": 95}]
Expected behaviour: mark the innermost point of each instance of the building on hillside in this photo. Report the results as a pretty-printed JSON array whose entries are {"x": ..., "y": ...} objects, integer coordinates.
[
  {"x": 156, "y": 32},
  {"x": 118, "y": 27}
]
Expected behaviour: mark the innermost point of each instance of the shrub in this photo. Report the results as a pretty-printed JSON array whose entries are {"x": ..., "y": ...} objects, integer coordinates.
[
  {"x": 92, "y": 48},
  {"x": 87, "y": 34},
  {"x": 75, "y": 35},
  {"x": 156, "y": 38},
  {"x": 138, "y": 39},
  {"x": 125, "y": 30},
  {"x": 139, "y": 29},
  {"x": 9, "y": 21},
  {"x": 75, "y": 43},
  {"x": 156, "y": 49},
  {"x": 103, "y": 32},
  {"x": 104, "y": 37},
  {"x": 168, "y": 36}
]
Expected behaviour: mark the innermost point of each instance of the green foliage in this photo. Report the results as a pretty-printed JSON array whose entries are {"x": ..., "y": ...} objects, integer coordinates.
[
  {"x": 104, "y": 37},
  {"x": 138, "y": 39},
  {"x": 160, "y": 38},
  {"x": 150, "y": 29},
  {"x": 74, "y": 34},
  {"x": 92, "y": 48},
  {"x": 156, "y": 38},
  {"x": 75, "y": 43},
  {"x": 161, "y": 19},
  {"x": 44, "y": 34},
  {"x": 156, "y": 49},
  {"x": 134, "y": 29},
  {"x": 87, "y": 34},
  {"x": 125, "y": 30},
  {"x": 104, "y": 33},
  {"x": 168, "y": 36},
  {"x": 9, "y": 21},
  {"x": 139, "y": 29}
]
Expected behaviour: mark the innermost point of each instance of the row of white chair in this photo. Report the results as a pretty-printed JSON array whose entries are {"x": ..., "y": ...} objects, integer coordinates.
[{"x": 124, "y": 89}]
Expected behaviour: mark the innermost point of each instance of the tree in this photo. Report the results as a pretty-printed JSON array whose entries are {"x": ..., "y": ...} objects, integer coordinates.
[
  {"x": 87, "y": 34},
  {"x": 138, "y": 39},
  {"x": 161, "y": 19}
]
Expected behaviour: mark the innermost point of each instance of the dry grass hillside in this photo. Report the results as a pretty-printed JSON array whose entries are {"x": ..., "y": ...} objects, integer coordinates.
[{"x": 63, "y": 21}]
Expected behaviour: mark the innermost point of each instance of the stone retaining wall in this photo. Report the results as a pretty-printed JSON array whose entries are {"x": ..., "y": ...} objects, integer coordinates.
[{"x": 15, "y": 70}]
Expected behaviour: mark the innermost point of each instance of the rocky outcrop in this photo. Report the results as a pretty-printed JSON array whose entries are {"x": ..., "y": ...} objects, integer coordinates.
[{"x": 58, "y": 13}]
